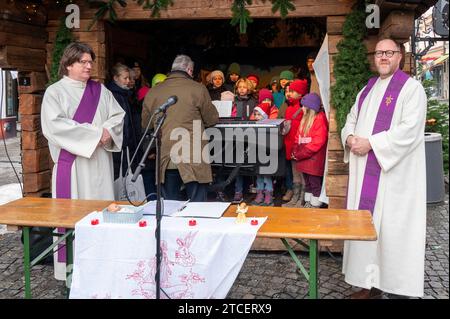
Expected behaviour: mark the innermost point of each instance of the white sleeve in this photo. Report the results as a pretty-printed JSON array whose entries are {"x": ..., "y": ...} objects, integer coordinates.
[
  {"x": 349, "y": 128},
  {"x": 78, "y": 139},
  {"x": 114, "y": 123}
]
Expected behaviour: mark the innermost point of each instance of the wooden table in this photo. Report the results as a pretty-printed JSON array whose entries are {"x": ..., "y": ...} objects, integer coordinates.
[{"x": 283, "y": 223}]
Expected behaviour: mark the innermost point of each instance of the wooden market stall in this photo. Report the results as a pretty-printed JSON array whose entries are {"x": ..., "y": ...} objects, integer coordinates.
[{"x": 28, "y": 31}]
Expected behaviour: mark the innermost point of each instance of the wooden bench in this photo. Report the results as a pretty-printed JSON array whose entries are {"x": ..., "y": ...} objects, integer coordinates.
[{"x": 284, "y": 223}]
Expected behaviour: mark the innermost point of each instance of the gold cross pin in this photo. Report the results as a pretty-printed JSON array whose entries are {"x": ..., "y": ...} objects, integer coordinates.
[{"x": 389, "y": 100}]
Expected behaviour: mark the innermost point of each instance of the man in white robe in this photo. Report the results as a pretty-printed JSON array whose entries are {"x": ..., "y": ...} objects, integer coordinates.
[
  {"x": 91, "y": 174},
  {"x": 395, "y": 262}
]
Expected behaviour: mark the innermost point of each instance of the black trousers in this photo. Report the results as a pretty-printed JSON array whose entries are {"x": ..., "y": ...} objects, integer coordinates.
[{"x": 196, "y": 192}]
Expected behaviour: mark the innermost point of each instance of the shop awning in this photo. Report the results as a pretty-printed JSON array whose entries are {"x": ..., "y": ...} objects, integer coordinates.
[{"x": 440, "y": 60}]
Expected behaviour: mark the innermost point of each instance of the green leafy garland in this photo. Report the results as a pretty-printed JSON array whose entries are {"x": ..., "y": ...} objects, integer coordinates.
[
  {"x": 284, "y": 6},
  {"x": 351, "y": 67},
  {"x": 241, "y": 15},
  {"x": 63, "y": 39},
  {"x": 437, "y": 119}
]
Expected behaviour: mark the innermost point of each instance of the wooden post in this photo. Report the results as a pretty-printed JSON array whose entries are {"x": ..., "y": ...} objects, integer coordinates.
[{"x": 32, "y": 82}]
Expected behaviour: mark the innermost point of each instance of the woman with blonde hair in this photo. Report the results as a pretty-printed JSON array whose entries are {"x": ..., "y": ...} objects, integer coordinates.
[
  {"x": 119, "y": 87},
  {"x": 310, "y": 147}
]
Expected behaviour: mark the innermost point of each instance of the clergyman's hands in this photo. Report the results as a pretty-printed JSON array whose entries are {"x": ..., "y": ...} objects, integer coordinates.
[
  {"x": 359, "y": 146},
  {"x": 106, "y": 138}
]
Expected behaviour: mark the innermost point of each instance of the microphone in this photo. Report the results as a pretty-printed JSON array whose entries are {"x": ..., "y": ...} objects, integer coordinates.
[{"x": 170, "y": 101}]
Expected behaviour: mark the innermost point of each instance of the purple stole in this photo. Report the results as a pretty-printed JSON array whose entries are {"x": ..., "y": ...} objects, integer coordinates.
[
  {"x": 382, "y": 123},
  {"x": 84, "y": 114}
]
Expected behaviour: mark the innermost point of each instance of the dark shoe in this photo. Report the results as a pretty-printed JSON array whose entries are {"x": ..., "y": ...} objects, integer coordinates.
[
  {"x": 373, "y": 293},
  {"x": 238, "y": 196},
  {"x": 221, "y": 197}
]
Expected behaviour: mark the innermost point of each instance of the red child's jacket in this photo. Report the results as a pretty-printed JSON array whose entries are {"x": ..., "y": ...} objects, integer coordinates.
[
  {"x": 289, "y": 138},
  {"x": 310, "y": 156}
]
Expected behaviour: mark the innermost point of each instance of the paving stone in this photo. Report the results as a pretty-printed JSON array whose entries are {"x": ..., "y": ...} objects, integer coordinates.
[{"x": 263, "y": 275}]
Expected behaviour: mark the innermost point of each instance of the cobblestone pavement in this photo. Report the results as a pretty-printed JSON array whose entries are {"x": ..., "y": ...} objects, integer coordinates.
[
  {"x": 7, "y": 175},
  {"x": 263, "y": 275}
]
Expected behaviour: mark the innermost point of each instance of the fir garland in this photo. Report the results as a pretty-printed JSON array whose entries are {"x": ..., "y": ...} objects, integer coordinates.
[
  {"x": 63, "y": 39},
  {"x": 284, "y": 6},
  {"x": 351, "y": 67},
  {"x": 240, "y": 14},
  {"x": 155, "y": 5}
]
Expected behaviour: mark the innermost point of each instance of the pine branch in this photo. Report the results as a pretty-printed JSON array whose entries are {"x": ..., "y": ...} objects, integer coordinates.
[
  {"x": 351, "y": 67},
  {"x": 63, "y": 39},
  {"x": 241, "y": 15},
  {"x": 284, "y": 6},
  {"x": 108, "y": 7},
  {"x": 156, "y": 6}
]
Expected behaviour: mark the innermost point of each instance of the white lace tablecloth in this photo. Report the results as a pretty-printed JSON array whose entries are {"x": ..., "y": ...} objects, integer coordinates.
[{"x": 118, "y": 260}]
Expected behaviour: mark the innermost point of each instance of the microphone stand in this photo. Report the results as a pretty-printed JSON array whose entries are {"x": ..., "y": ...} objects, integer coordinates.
[{"x": 155, "y": 138}]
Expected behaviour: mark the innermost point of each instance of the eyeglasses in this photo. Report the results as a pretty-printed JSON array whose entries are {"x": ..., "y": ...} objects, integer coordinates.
[
  {"x": 86, "y": 62},
  {"x": 388, "y": 53}
]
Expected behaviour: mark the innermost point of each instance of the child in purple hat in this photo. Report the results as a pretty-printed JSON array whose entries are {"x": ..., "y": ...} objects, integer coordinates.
[{"x": 310, "y": 148}]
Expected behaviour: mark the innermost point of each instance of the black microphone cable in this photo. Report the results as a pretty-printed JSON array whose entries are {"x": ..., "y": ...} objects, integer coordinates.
[
  {"x": 131, "y": 162},
  {"x": 4, "y": 138}
]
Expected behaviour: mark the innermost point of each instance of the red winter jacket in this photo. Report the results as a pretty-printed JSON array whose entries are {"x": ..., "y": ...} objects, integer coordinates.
[
  {"x": 289, "y": 138},
  {"x": 310, "y": 158}
]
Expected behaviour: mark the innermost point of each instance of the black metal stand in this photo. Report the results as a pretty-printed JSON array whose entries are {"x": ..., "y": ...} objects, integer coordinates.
[{"x": 155, "y": 139}]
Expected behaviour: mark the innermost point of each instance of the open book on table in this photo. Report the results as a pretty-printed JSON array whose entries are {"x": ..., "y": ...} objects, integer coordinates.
[{"x": 174, "y": 208}]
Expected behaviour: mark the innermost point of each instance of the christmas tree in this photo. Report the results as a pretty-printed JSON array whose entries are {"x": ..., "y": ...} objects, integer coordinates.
[
  {"x": 351, "y": 67},
  {"x": 63, "y": 39}
]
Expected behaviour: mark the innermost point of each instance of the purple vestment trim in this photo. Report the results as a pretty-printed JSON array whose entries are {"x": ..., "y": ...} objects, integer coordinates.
[
  {"x": 383, "y": 121},
  {"x": 84, "y": 114}
]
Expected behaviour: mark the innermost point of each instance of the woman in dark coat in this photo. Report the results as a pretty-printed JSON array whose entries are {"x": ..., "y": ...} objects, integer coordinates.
[{"x": 132, "y": 126}]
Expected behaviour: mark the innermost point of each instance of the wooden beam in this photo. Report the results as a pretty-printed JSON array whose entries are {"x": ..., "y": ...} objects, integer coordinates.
[
  {"x": 334, "y": 142},
  {"x": 217, "y": 9},
  {"x": 335, "y": 25},
  {"x": 337, "y": 202},
  {"x": 99, "y": 68},
  {"x": 30, "y": 104},
  {"x": 39, "y": 193},
  {"x": 336, "y": 185},
  {"x": 35, "y": 161},
  {"x": 53, "y": 25},
  {"x": 82, "y": 36},
  {"x": 387, "y": 7},
  {"x": 333, "y": 128},
  {"x": 21, "y": 58},
  {"x": 336, "y": 165},
  {"x": 33, "y": 140},
  {"x": 333, "y": 40},
  {"x": 23, "y": 29},
  {"x": 31, "y": 122},
  {"x": 32, "y": 82},
  {"x": 27, "y": 41},
  {"x": 35, "y": 182},
  {"x": 398, "y": 25}
]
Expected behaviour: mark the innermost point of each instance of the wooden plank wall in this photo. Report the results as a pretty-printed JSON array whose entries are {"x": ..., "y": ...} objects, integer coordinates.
[
  {"x": 95, "y": 38},
  {"x": 22, "y": 47},
  {"x": 217, "y": 9},
  {"x": 30, "y": 44}
]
